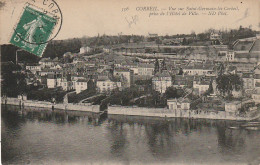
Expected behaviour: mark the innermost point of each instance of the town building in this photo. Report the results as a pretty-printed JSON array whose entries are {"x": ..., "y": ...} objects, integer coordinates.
[
  {"x": 57, "y": 67},
  {"x": 200, "y": 70},
  {"x": 201, "y": 86},
  {"x": 161, "y": 81},
  {"x": 232, "y": 106},
  {"x": 256, "y": 94},
  {"x": 51, "y": 81},
  {"x": 67, "y": 85},
  {"x": 248, "y": 80},
  {"x": 172, "y": 41},
  {"x": 81, "y": 85},
  {"x": 222, "y": 56},
  {"x": 127, "y": 76},
  {"x": 105, "y": 84},
  {"x": 215, "y": 35},
  {"x": 145, "y": 69},
  {"x": 152, "y": 35},
  {"x": 230, "y": 56},
  {"x": 33, "y": 68},
  {"x": 106, "y": 50},
  {"x": 178, "y": 104},
  {"x": 86, "y": 49},
  {"x": 46, "y": 62}
]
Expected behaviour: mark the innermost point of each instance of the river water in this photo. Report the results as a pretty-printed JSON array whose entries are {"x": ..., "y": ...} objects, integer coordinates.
[{"x": 57, "y": 137}]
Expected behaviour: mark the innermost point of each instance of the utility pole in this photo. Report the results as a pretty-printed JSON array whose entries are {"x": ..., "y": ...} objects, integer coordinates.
[{"x": 16, "y": 57}]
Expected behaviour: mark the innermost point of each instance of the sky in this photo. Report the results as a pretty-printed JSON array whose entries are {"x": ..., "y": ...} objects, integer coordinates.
[{"x": 110, "y": 17}]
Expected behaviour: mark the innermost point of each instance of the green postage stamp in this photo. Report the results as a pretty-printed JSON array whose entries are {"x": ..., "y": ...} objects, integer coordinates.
[{"x": 33, "y": 30}]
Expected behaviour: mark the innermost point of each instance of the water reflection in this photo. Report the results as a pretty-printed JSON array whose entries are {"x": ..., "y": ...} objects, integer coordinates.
[
  {"x": 40, "y": 136},
  {"x": 162, "y": 134},
  {"x": 14, "y": 115},
  {"x": 231, "y": 142},
  {"x": 118, "y": 139},
  {"x": 161, "y": 140}
]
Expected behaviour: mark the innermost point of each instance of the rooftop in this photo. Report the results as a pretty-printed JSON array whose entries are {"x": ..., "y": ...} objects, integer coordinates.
[
  {"x": 164, "y": 73},
  {"x": 122, "y": 70},
  {"x": 179, "y": 100},
  {"x": 108, "y": 78},
  {"x": 45, "y": 60},
  {"x": 83, "y": 80},
  {"x": 247, "y": 75},
  {"x": 142, "y": 65},
  {"x": 202, "y": 67}
]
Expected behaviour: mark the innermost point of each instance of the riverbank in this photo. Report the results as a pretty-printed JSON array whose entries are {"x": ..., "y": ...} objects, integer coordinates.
[
  {"x": 166, "y": 113},
  {"x": 59, "y": 138},
  {"x": 134, "y": 111},
  {"x": 85, "y": 107}
]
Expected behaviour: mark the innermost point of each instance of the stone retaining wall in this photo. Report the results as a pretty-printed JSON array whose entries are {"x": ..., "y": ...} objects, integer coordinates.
[
  {"x": 164, "y": 112},
  {"x": 49, "y": 105}
]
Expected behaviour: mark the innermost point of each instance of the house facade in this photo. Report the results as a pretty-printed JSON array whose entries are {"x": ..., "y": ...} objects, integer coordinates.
[
  {"x": 201, "y": 86},
  {"x": 233, "y": 106},
  {"x": 161, "y": 81},
  {"x": 106, "y": 84},
  {"x": 81, "y": 85},
  {"x": 256, "y": 95},
  {"x": 248, "y": 80},
  {"x": 145, "y": 69},
  {"x": 33, "y": 68},
  {"x": 199, "y": 70},
  {"x": 230, "y": 56},
  {"x": 46, "y": 62},
  {"x": 126, "y": 75},
  {"x": 178, "y": 104}
]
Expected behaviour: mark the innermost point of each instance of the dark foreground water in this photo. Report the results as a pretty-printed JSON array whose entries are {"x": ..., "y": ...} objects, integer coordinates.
[{"x": 47, "y": 137}]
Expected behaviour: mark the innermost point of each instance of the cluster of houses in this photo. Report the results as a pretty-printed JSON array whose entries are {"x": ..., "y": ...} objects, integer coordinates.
[
  {"x": 106, "y": 75},
  {"x": 244, "y": 50}
]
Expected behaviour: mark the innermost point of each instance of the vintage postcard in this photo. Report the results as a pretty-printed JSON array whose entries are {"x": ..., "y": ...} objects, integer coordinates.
[{"x": 130, "y": 82}]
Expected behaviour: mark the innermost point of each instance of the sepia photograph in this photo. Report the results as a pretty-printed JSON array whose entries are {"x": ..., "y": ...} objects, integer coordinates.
[{"x": 130, "y": 82}]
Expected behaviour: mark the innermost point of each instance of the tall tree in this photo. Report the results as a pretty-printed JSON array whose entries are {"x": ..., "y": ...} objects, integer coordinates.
[
  {"x": 227, "y": 83},
  {"x": 180, "y": 71},
  {"x": 156, "y": 66},
  {"x": 184, "y": 41},
  {"x": 221, "y": 69},
  {"x": 172, "y": 92},
  {"x": 163, "y": 65}
]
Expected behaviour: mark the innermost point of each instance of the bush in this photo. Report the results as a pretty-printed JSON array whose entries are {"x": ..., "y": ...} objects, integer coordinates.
[
  {"x": 47, "y": 94},
  {"x": 75, "y": 98}
]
